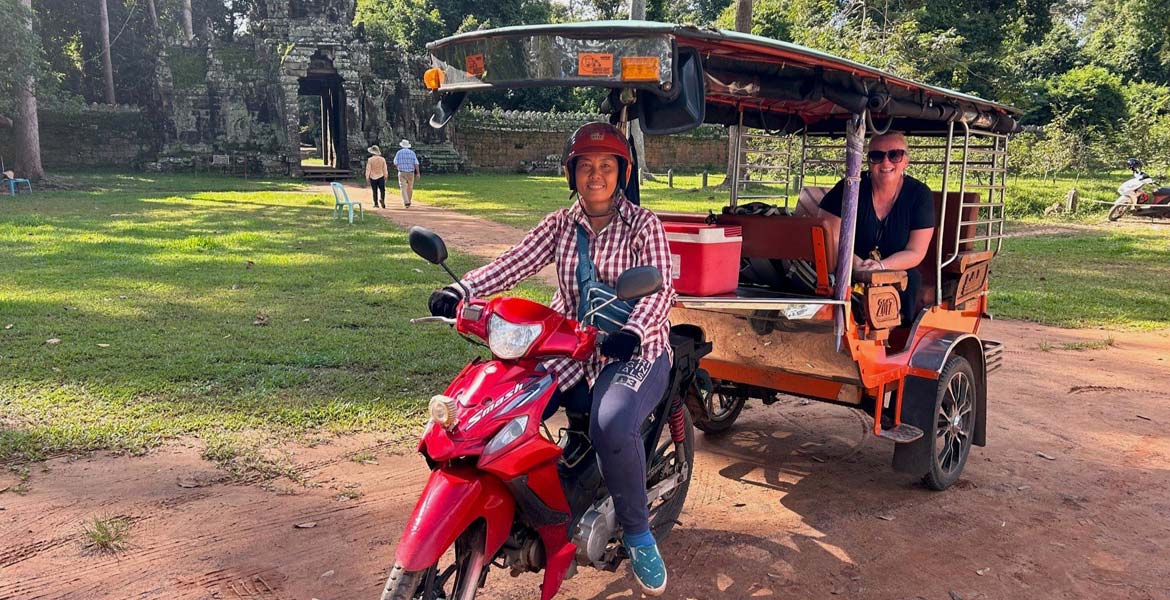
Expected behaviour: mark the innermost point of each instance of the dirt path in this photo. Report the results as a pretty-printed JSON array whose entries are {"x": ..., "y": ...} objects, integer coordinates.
[
  {"x": 798, "y": 502},
  {"x": 462, "y": 233}
]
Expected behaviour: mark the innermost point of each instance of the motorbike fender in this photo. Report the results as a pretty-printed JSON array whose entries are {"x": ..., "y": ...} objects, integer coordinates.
[{"x": 451, "y": 501}]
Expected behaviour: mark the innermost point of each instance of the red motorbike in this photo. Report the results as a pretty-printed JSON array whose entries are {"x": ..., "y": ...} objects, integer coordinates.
[{"x": 502, "y": 492}]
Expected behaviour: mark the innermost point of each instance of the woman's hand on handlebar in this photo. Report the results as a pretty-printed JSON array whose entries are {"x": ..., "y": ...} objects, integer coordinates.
[
  {"x": 621, "y": 344},
  {"x": 444, "y": 301}
]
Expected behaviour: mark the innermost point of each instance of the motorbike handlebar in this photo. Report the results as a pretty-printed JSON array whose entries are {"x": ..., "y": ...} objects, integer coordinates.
[{"x": 425, "y": 320}]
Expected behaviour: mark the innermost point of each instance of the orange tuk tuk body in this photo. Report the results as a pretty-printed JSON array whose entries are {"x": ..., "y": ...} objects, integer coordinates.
[{"x": 800, "y": 322}]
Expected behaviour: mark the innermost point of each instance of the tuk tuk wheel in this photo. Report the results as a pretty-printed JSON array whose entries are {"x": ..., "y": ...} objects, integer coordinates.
[
  {"x": 953, "y": 424},
  {"x": 722, "y": 411}
]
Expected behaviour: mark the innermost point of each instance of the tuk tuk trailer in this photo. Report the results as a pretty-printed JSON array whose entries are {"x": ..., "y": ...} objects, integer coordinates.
[{"x": 801, "y": 321}]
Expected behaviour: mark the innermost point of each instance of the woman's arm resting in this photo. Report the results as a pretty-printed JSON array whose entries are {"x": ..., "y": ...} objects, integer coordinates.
[{"x": 915, "y": 251}]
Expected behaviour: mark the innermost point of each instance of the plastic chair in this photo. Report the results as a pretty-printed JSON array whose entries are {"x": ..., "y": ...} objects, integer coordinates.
[
  {"x": 12, "y": 185},
  {"x": 341, "y": 203}
]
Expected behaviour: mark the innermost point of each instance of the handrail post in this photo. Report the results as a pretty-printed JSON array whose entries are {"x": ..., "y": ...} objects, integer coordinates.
[
  {"x": 938, "y": 235},
  {"x": 854, "y": 144}
]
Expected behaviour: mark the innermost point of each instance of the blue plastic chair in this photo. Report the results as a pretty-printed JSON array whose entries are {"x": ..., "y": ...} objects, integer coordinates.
[
  {"x": 341, "y": 203},
  {"x": 12, "y": 185}
]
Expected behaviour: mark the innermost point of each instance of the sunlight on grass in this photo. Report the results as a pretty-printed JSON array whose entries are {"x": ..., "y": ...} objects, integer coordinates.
[
  {"x": 1115, "y": 276},
  {"x": 152, "y": 288}
]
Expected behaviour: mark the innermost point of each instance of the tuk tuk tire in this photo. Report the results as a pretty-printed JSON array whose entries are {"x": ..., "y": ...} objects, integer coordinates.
[
  {"x": 957, "y": 379},
  {"x": 721, "y": 425},
  {"x": 1117, "y": 212}
]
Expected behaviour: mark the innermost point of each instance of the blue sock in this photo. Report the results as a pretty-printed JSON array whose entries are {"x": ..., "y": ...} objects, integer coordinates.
[{"x": 644, "y": 538}]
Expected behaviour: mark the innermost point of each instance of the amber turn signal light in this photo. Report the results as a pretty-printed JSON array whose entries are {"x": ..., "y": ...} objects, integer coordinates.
[{"x": 433, "y": 78}]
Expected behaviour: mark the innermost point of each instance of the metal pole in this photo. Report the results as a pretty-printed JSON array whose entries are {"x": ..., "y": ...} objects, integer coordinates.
[
  {"x": 943, "y": 217},
  {"x": 854, "y": 144},
  {"x": 736, "y": 150}
]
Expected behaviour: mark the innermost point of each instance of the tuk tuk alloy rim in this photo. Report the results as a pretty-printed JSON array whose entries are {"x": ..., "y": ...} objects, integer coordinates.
[{"x": 953, "y": 424}]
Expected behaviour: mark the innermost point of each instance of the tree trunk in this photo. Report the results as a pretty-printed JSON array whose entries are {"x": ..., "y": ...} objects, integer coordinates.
[
  {"x": 26, "y": 125},
  {"x": 743, "y": 23},
  {"x": 107, "y": 63},
  {"x": 153, "y": 18},
  {"x": 188, "y": 30}
]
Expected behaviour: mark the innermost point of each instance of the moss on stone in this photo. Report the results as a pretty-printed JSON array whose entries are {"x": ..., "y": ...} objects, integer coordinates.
[{"x": 188, "y": 67}]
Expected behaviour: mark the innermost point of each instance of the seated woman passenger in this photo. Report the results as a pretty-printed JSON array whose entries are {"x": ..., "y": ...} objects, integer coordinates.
[{"x": 895, "y": 217}]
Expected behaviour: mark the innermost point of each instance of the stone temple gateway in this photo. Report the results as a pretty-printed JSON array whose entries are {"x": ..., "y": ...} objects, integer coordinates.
[
  {"x": 238, "y": 105},
  {"x": 303, "y": 83}
]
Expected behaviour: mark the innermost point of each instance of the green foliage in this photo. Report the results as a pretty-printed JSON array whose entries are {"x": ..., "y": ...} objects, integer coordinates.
[
  {"x": 1146, "y": 133},
  {"x": 1087, "y": 98},
  {"x": 693, "y": 12},
  {"x": 409, "y": 24},
  {"x": 21, "y": 51},
  {"x": 1129, "y": 38}
]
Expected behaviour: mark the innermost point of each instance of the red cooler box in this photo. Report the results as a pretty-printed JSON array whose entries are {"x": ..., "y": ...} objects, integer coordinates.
[{"x": 704, "y": 258}]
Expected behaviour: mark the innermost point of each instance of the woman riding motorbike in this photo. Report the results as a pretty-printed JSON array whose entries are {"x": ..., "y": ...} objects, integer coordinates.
[{"x": 592, "y": 242}]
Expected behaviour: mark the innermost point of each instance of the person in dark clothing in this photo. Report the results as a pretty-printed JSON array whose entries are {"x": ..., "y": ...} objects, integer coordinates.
[{"x": 895, "y": 217}]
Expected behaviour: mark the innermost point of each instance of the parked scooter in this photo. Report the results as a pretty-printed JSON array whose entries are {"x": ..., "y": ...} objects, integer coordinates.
[
  {"x": 501, "y": 491},
  {"x": 1139, "y": 197}
]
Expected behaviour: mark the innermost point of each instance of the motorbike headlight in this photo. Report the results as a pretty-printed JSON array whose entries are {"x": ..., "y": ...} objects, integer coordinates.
[
  {"x": 510, "y": 433},
  {"x": 442, "y": 410},
  {"x": 509, "y": 340}
]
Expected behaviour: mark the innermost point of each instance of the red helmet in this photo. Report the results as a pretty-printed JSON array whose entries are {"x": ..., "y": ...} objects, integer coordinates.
[{"x": 597, "y": 138}]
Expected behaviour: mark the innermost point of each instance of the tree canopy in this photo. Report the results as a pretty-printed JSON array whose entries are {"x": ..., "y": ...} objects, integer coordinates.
[{"x": 1100, "y": 67}]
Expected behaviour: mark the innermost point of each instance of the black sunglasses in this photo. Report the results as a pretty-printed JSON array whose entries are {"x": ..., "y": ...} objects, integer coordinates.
[{"x": 896, "y": 155}]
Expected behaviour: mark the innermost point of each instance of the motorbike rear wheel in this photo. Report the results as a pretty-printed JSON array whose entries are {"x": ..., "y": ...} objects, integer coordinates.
[
  {"x": 458, "y": 581},
  {"x": 665, "y": 463}
]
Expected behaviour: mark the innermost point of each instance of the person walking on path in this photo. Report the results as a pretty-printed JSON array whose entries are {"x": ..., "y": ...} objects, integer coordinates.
[
  {"x": 407, "y": 162},
  {"x": 376, "y": 171}
]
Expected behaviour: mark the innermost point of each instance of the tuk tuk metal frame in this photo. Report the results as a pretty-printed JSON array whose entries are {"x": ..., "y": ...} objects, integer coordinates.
[{"x": 901, "y": 376}]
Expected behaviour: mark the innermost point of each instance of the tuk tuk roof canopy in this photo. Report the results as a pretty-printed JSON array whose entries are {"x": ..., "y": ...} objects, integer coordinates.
[{"x": 778, "y": 86}]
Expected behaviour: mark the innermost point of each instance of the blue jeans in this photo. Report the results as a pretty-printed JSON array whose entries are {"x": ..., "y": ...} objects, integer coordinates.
[{"x": 622, "y": 397}]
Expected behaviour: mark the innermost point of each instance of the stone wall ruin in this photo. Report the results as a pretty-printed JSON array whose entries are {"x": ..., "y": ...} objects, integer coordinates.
[{"x": 232, "y": 107}]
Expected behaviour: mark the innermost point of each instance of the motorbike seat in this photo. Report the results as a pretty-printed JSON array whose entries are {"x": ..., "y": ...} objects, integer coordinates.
[{"x": 1162, "y": 191}]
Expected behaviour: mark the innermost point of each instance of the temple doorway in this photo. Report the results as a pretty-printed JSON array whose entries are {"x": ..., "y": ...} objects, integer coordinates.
[{"x": 321, "y": 115}]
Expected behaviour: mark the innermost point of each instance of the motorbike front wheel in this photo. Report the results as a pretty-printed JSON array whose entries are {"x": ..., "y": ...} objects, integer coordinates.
[
  {"x": 1117, "y": 211},
  {"x": 459, "y": 580}
]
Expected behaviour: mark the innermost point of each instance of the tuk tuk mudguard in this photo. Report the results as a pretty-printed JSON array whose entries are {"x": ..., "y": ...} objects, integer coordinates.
[{"x": 932, "y": 354}]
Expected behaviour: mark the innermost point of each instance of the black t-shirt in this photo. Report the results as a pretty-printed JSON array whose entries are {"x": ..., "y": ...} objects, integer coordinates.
[{"x": 914, "y": 209}]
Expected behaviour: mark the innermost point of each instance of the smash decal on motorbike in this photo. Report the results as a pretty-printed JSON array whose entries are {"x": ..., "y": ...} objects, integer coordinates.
[
  {"x": 521, "y": 394},
  {"x": 633, "y": 373}
]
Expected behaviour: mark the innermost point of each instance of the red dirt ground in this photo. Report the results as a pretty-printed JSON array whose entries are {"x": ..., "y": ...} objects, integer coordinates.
[{"x": 798, "y": 502}]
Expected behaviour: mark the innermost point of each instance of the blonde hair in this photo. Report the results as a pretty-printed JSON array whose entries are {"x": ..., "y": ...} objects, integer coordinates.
[{"x": 898, "y": 135}]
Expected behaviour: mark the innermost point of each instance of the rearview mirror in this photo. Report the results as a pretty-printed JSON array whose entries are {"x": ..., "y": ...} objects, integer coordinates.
[
  {"x": 639, "y": 282},
  {"x": 682, "y": 112},
  {"x": 446, "y": 108},
  {"x": 428, "y": 245}
]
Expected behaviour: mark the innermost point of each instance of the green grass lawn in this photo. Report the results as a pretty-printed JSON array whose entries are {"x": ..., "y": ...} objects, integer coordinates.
[
  {"x": 155, "y": 287},
  {"x": 137, "y": 308},
  {"x": 1107, "y": 275}
]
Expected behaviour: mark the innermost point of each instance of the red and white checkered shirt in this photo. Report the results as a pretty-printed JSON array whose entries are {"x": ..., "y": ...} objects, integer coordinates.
[{"x": 633, "y": 238}]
